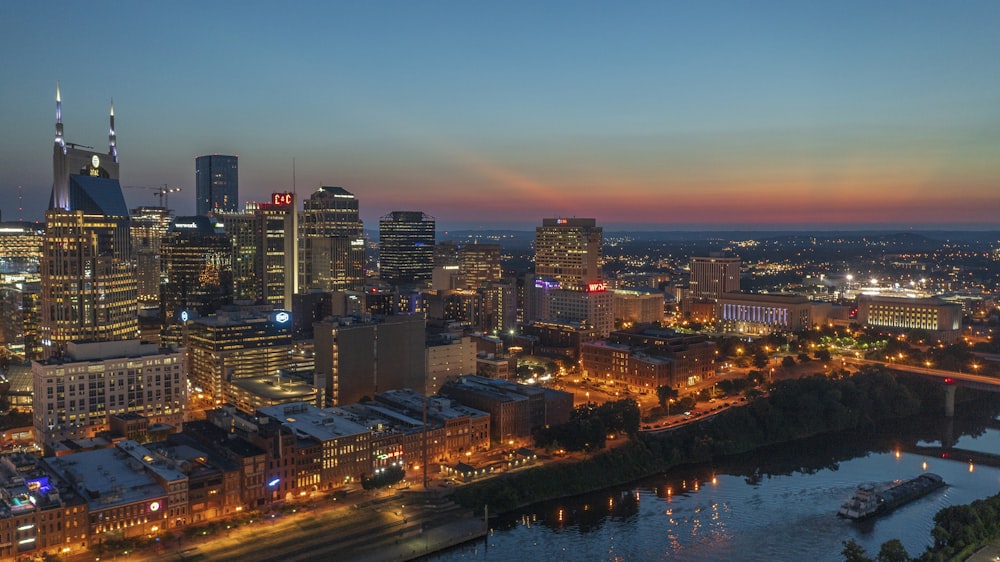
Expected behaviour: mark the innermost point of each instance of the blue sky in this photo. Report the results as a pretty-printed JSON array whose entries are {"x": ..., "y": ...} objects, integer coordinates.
[{"x": 659, "y": 114}]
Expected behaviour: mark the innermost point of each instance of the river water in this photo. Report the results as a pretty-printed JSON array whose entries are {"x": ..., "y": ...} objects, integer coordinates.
[{"x": 778, "y": 504}]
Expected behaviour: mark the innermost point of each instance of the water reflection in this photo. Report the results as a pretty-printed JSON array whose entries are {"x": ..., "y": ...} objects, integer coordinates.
[{"x": 732, "y": 509}]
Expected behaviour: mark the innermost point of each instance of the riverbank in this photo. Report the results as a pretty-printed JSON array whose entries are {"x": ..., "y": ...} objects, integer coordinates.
[{"x": 794, "y": 410}]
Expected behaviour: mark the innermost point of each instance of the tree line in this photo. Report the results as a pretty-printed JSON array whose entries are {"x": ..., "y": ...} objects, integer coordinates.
[{"x": 794, "y": 409}]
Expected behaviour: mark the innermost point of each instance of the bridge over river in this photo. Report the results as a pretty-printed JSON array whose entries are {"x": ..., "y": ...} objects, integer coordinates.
[{"x": 949, "y": 379}]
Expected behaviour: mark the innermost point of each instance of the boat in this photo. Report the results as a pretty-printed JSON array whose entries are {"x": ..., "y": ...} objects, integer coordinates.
[{"x": 871, "y": 500}]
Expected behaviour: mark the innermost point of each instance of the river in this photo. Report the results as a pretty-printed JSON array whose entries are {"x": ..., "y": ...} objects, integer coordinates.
[{"x": 777, "y": 504}]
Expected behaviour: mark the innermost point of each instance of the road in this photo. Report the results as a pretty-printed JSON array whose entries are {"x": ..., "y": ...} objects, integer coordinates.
[{"x": 400, "y": 526}]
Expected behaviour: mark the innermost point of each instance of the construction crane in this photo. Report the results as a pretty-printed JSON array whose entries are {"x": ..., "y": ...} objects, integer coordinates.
[{"x": 162, "y": 192}]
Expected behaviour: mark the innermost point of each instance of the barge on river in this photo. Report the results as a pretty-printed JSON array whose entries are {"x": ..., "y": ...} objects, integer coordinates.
[{"x": 871, "y": 500}]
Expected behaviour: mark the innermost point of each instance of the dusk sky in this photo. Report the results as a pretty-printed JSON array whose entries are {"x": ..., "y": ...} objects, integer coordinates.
[{"x": 654, "y": 115}]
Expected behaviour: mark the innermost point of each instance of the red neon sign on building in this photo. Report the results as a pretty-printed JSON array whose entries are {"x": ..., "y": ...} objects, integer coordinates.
[{"x": 597, "y": 287}]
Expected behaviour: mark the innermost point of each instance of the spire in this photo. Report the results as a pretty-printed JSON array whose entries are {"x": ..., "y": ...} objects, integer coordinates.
[
  {"x": 59, "y": 125},
  {"x": 112, "y": 144}
]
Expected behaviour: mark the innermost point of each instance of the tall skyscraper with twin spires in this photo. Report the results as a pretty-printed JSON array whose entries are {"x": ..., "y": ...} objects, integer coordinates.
[{"x": 89, "y": 288}]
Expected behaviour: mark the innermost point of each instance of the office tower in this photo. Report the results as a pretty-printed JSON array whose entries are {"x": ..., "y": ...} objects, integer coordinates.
[
  {"x": 237, "y": 343},
  {"x": 360, "y": 358},
  {"x": 568, "y": 285},
  {"x": 216, "y": 180},
  {"x": 19, "y": 317},
  {"x": 497, "y": 308},
  {"x": 76, "y": 394},
  {"x": 198, "y": 270},
  {"x": 465, "y": 266},
  {"x": 569, "y": 251},
  {"x": 265, "y": 246},
  {"x": 70, "y": 159},
  {"x": 278, "y": 250},
  {"x": 244, "y": 236},
  {"x": 406, "y": 247},
  {"x": 89, "y": 288},
  {"x": 715, "y": 275},
  {"x": 20, "y": 247},
  {"x": 148, "y": 227},
  {"x": 332, "y": 243}
]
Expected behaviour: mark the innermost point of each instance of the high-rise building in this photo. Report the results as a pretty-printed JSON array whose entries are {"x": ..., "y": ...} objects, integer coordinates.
[
  {"x": 714, "y": 276},
  {"x": 359, "y": 358},
  {"x": 278, "y": 250},
  {"x": 20, "y": 247},
  {"x": 76, "y": 394},
  {"x": 243, "y": 234},
  {"x": 406, "y": 247},
  {"x": 237, "y": 344},
  {"x": 569, "y": 251},
  {"x": 265, "y": 245},
  {"x": 198, "y": 270},
  {"x": 19, "y": 312},
  {"x": 89, "y": 288},
  {"x": 148, "y": 227},
  {"x": 69, "y": 159},
  {"x": 497, "y": 308},
  {"x": 217, "y": 184},
  {"x": 568, "y": 284},
  {"x": 466, "y": 266},
  {"x": 332, "y": 242}
]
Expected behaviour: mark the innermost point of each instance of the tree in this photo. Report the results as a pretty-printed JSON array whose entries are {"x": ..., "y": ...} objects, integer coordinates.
[
  {"x": 665, "y": 393},
  {"x": 803, "y": 358},
  {"x": 686, "y": 403},
  {"x": 788, "y": 361},
  {"x": 823, "y": 355},
  {"x": 854, "y": 552},
  {"x": 760, "y": 359},
  {"x": 893, "y": 551}
]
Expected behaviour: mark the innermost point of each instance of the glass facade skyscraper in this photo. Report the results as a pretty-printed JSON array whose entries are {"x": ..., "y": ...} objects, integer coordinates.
[
  {"x": 217, "y": 181},
  {"x": 406, "y": 247},
  {"x": 332, "y": 246}
]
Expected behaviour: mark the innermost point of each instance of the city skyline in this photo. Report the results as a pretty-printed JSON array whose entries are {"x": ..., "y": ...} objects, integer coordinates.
[{"x": 659, "y": 116}]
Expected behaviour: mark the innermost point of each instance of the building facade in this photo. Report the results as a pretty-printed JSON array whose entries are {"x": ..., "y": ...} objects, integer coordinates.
[
  {"x": 570, "y": 251},
  {"x": 197, "y": 261},
  {"x": 332, "y": 245},
  {"x": 941, "y": 318},
  {"x": 448, "y": 357},
  {"x": 643, "y": 358},
  {"x": 358, "y": 358},
  {"x": 406, "y": 248},
  {"x": 149, "y": 226},
  {"x": 236, "y": 344},
  {"x": 77, "y": 393},
  {"x": 714, "y": 276},
  {"x": 761, "y": 314}
]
